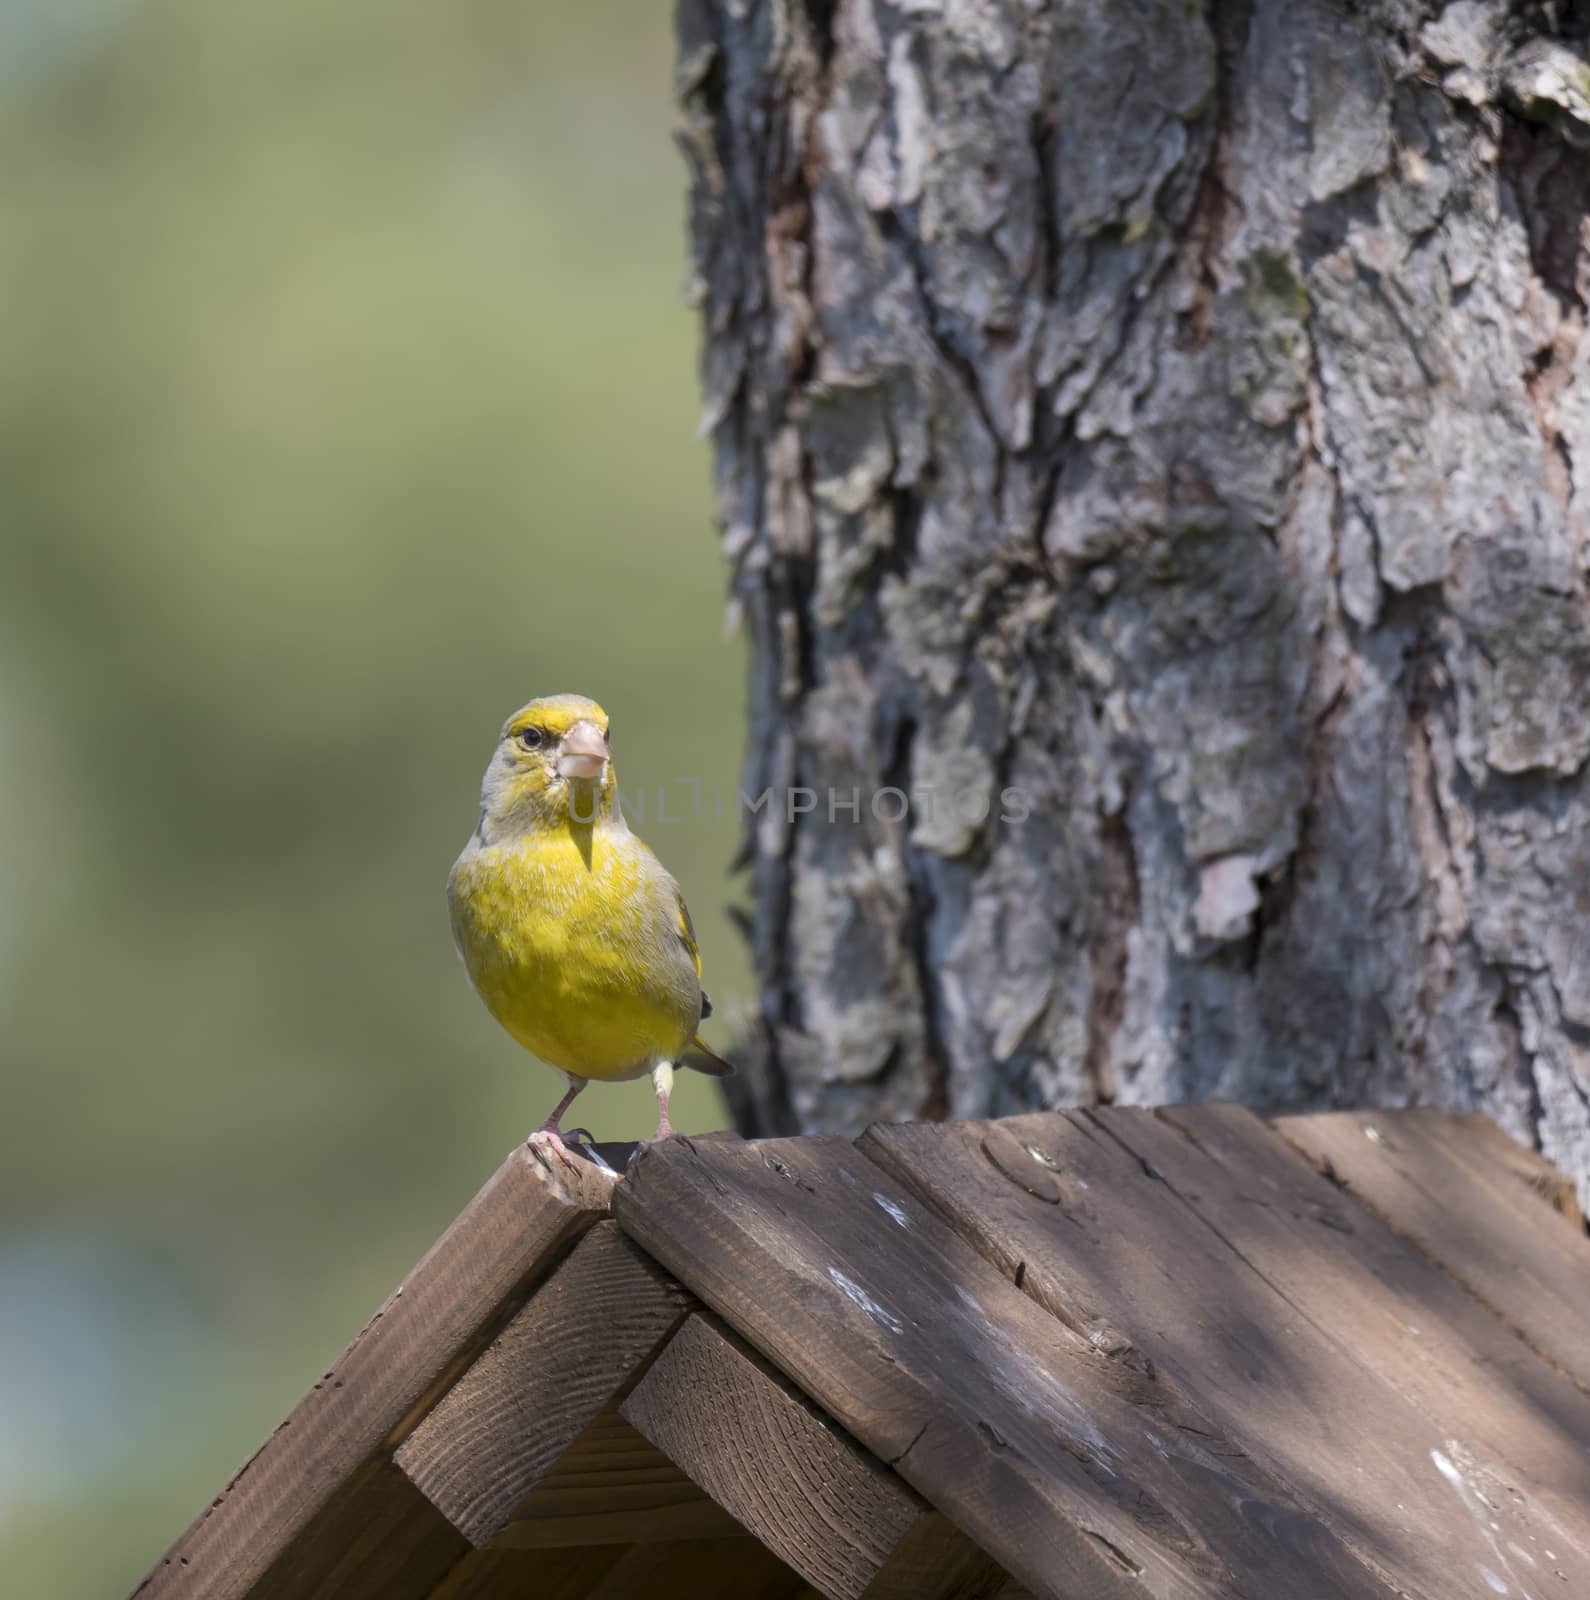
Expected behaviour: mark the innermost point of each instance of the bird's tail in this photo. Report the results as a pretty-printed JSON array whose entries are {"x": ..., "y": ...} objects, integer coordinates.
[{"x": 699, "y": 1058}]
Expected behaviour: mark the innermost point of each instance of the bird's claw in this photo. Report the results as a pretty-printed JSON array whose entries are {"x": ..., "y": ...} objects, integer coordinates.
[
  {"x": 551, "y": 1139},
  {"x": 663, "y": 1134}
]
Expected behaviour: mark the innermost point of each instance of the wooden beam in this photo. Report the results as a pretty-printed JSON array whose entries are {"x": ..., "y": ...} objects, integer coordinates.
[
  {"x": 545, "y": 1376},
  {"x": 815, "y": 1498},
  {"x": 306, "y": 1493},
  {"x": 1036, "y": 1442},
  {"x": 1466, "y": 1211},
  {"x": 545, "y": 1574},
  {"x": 611, "y": 1486},
  {"x": 733, "y": 1568},
  {"x": 936, "y": 1561},
  {"x": 1239, "y": 1277},
  {"x": 698, "y": 1569},
  {"x": 379, "y": 1537}
]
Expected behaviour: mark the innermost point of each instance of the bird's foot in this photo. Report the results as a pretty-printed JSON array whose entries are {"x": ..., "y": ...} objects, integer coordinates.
[
  {"x": 665, "y": 1130},
  {"x": 550, "y": 1139}
]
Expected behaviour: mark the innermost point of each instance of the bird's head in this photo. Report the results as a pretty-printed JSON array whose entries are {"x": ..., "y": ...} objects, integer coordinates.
[{"x": 551, "y": 765}]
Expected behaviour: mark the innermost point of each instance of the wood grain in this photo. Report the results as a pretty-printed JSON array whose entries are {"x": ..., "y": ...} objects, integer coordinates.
[
  {"x": 545, "y": 1574},
  {"x": 696, "y": 1569},
  {"x": 1475, "y": 1139},
  {"x": 1035, "y": 1442},
  {"x": 700, "y": 1569},
  {"x": 536, "y": 1386},
  {"x": 1466, "y": 1211},
  {"x": 298, "y": 1487},
  {"x": 1337, "y": 1264},
  {"x": 815, "y": 1498},
  {"x": 1167, "y": 1274},
  {"x": 936, "y": 1561},
  {"x": 380, "y": 1540},
  {"x": 611, "y": 1486}
]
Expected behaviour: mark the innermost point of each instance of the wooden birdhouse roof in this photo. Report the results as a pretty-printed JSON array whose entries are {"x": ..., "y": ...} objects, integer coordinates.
[{"x": 1081, "y": 1355}]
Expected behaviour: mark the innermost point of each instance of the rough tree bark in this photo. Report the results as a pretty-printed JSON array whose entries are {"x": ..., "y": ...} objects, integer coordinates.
[{"x": 1180, "y": 414}]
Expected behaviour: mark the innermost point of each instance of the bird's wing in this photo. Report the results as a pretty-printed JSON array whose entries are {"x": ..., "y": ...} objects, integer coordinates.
[
  {"x": 687, "y": 936},
  {"x": 687, "y": 931},
  {"x": 699, "y": 1058}
]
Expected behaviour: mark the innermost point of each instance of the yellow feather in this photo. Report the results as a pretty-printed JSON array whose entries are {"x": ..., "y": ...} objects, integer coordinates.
[{"x": 559, "y": 951}]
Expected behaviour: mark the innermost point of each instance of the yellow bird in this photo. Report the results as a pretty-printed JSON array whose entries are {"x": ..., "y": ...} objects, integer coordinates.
[{"x": 571, "y": 930}]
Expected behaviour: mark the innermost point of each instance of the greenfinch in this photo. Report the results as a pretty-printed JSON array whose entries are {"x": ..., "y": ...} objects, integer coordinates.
[{"x": 573, "y": 933}]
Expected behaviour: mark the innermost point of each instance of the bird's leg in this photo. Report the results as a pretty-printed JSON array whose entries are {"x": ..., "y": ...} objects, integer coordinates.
[
  {"x": 662, "y": 1080},
  {"x": 548, "y": 1136}
]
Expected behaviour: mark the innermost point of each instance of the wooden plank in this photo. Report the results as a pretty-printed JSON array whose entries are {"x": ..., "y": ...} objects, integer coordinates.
[
  {"x": 306, "y": 1475},
  {"x": 1477, "y": 1141},
  {"x": 545, "y": 1574},
  {"x": 1036, "y": 1443},
  {"x": 1493, "y": 1237},
  {"x": 700, "y": 1569},
  {"x": 936, "y": 1561},
  {"x": 382, "y": 1541},
  {"x": 584, "y": 1335},
  {"x": 1338, "y": 1264},
  {"x": 1493, "y": 1163},
  {"x": 1088, "y": 1223},
  {"x": 814, "y": 1497},
  {"x": 611, "y": 1486}
]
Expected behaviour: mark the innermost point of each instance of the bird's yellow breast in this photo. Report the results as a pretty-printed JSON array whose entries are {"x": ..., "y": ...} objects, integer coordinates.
[{"x": 571, "y": 937}]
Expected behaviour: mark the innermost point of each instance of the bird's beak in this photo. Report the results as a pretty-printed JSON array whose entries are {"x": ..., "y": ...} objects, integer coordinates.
[{"x": 582, "y": 752}]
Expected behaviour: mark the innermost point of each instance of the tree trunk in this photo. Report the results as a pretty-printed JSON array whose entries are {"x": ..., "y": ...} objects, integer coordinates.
[{"x": 1164, "y": 427}]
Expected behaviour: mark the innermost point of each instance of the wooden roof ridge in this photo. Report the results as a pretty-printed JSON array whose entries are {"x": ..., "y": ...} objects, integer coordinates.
[{"x": 1082, "y": 1354}]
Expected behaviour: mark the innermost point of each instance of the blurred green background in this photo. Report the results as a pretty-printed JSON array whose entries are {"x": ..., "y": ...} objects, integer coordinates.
[{"x": 347, "y": 401}]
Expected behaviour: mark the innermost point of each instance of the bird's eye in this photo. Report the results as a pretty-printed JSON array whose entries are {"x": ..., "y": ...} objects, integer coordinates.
[{"x": 531, "y": 738}]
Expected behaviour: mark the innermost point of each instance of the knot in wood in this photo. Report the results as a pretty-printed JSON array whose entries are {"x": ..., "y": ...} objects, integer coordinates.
[
  {"x": 1024, "y": 1166},
  {"x": 1120, "y": 1350}
]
